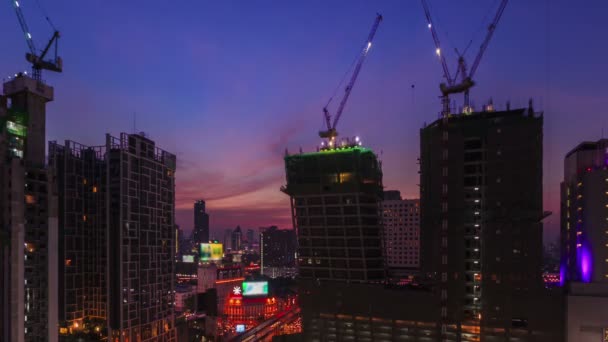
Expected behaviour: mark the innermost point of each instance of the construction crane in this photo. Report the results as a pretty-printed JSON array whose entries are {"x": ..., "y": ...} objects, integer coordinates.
[
  {"x": 466, "y": 76},
  {"x": 331, "y": 133},
  {"x": 37, "y": 59}
]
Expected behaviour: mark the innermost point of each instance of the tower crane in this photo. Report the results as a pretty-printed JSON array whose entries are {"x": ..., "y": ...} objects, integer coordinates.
[
  {"x": 450, "y": 86},
  {"x": 331, "y": 133},
  {"x": 37, "y": 59}
]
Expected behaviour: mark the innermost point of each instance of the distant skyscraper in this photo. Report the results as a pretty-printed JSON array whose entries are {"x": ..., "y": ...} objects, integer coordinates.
[
  {"x": 481, "y": 205},
  {"x": 277, "y": 248},
  {"x": 335, "y": 197},
  {"x": 227, "y": 239},
  {"x": 250, "y": 238},
  {"x": 237, "y": 237},
  {"x": 200, "y": 233},
  {"x": 401, "y": 221},
  {"x": 28, "y": 216},
  {"x": 584, "y": 213}
]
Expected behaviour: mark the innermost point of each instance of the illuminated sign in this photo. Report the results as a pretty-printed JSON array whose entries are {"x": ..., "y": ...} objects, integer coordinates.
[
  {"x": 255, "y": 288},
  {"x": 236, "y": 290},
  {"x": 187, "y": 258},
  {"x": 16, "y": 129},
  {"x": 240, "y": 328},
  {"x": 211, "y": 251}
]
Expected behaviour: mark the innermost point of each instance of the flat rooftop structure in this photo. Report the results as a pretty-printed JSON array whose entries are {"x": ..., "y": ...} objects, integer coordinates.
[
  {"x": 334, "y": 199},
  {"x": 344, "y": 169}
]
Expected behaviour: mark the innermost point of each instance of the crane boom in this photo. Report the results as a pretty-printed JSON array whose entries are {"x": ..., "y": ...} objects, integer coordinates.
[
  {"x": 331, "y": 127},
  {"x": 37, "y": 60},
  {"x": 24, "y": 28},
  {"x": 486, "y": 42},
  {"x": 444, "y": 64},
  {"x": 353, "y": 78}
]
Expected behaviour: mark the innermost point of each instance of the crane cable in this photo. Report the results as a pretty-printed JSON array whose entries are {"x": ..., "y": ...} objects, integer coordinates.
[
  {"x": 45, "y": 14},
  {"x": 348, "y": 71}
]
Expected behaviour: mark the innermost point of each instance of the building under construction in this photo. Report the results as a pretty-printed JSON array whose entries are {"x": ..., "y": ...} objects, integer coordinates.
[{"x": 335, "y": 195}]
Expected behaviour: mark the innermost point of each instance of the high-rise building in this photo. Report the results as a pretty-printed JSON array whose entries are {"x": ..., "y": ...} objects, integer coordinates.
[
  {"x": 28, "y": 216},
  {"x": 141, "y": 233},
  {"x": 81, "y": 187},
  {"x": 277, "y": 248},
  {"x": 117, "y": 241},
  {"x": 584, "y": 214},
  {"x": 250, "y": 238},
  {"x": 401, "y": 221},
  {"x": 481, "y": 211},
  {"x": 227, "y": 239},
  {"x": 200, "y": 233},
  {"x": 237, "y": 238},
  {"x": 335, "y": 197}
]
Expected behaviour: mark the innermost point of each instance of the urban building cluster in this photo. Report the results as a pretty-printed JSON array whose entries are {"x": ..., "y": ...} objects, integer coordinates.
[{"x": 90, "y": 250}]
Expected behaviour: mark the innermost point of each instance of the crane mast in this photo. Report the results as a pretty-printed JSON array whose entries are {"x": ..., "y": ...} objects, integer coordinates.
[
  {"x": 37, "y": 60},
  {"x": 466, "y": 83},
  {"x": 331, "y": 132}
]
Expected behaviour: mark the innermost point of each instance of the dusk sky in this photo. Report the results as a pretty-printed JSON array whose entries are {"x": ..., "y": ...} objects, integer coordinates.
[{"x": 228, "y": 85}]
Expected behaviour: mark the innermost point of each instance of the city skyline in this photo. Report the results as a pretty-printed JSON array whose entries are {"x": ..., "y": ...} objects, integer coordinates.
[{"x": 231, "y": 152}]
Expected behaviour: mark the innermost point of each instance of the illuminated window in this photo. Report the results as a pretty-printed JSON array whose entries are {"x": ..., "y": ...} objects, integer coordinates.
[
  {"x": 84, "y": 181},
  {"x": 68, "y": 262},
  {"x": 84, "y": 218},
  {"x": 30, "y": 199},
  {"x": 94, "y": 189}
]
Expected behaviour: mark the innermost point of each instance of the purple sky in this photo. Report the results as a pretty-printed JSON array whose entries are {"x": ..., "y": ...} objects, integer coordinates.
[{"x": 228, "y": 85}]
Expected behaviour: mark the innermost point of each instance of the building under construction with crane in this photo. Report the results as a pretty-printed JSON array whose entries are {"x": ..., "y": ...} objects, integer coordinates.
[
  {"x": 335, "y": 193},
  {"x": 481, "y": 214},
  {"x": 28, "y": 219}
]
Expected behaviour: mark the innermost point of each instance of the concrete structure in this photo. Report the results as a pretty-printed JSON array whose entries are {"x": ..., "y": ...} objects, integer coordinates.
[
  {"x": 277, "y": 249},
  {"x": 117, "y": 243},
  {"x": 141, "y": 232},
  {"x": 200, "y": 233},
  {"x": 182, "y": 293},
  {"x": 335, "y": 197},
  {"x": 28, "y": 216},
  {"x": 401, "y": 222},
  {"x": 587, "y": 312},
  {"x": 584, "y": 214},
  {"x": 81, "y": 176},
  {"x": 481, "y": 230},
  {"x": 206, "y": 277}
]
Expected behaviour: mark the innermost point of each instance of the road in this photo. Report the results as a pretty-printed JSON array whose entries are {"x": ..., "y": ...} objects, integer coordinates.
[{"x": 265, "y": 330}]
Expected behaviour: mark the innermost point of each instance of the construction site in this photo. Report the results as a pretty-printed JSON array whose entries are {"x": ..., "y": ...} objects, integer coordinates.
[{"x": 87, "y": 233}]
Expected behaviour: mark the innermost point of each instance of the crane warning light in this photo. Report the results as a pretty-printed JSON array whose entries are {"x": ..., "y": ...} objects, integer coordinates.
[{"x": 438, "y": 52}]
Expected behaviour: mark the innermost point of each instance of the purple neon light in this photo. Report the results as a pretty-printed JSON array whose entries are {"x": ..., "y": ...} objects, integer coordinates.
[{"x": 585, "y": 263}]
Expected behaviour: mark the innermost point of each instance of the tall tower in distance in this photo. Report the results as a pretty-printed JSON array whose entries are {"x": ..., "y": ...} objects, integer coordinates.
[
  {"x": 335, "y": 196},
  {"x": 584, "y": 214},
  {"x": 200, "y": 233},
  {"x": 237, "y": 239},
  {"x": 481, "y": 204}
]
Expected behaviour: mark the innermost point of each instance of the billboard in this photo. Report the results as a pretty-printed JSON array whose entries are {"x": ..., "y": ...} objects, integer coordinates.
[
  {"x": 255, "y": 288},
  {"x": 211, "y": 252},
  {"x": 187, "y": 258}
]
